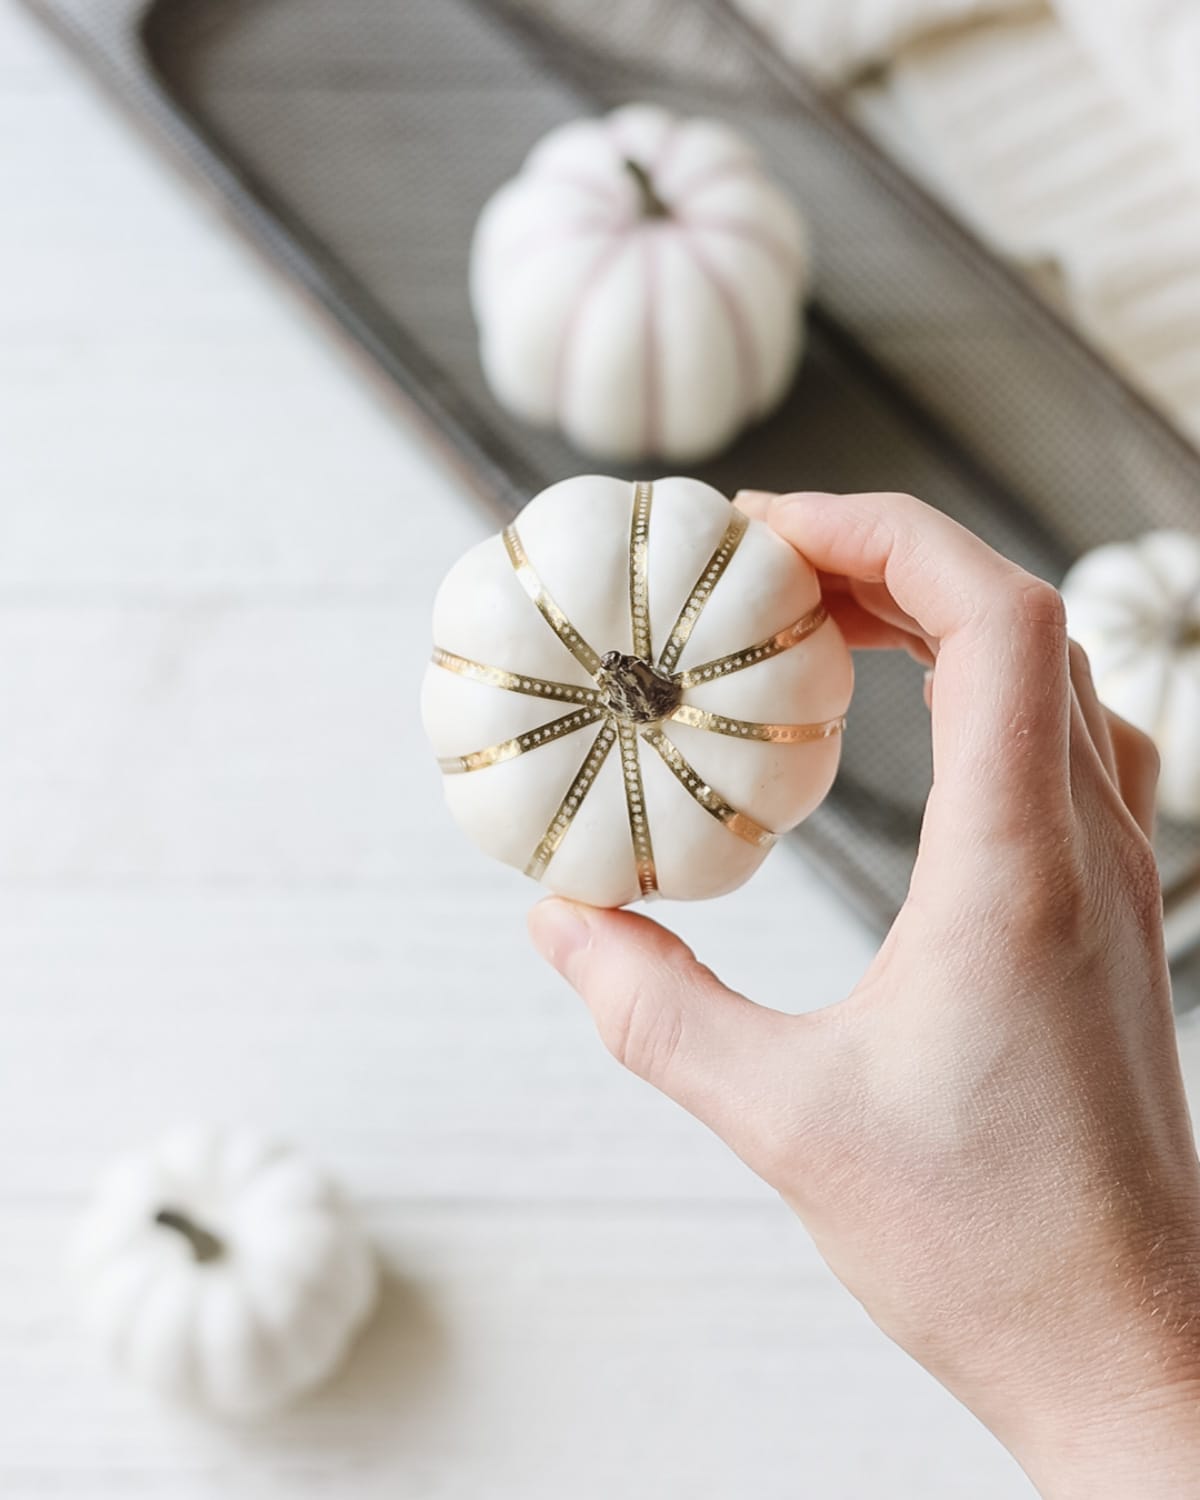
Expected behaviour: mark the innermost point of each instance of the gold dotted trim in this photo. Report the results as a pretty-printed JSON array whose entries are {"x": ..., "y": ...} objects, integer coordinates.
[
  {"x": 737, "y": 661},
  {"x": 547, "y": 608},
  {"x": 639, "y": 585},
  {"x": 570, "y": 804},
  {"x": 479, "y": 760},
  {"x": 747, "y": 729},
  {"x": 513, "y": 682},
  {"x": 738, "y": 823},
  {"x": 635, "y": 803},
  {"x": 701, "y": 591}
]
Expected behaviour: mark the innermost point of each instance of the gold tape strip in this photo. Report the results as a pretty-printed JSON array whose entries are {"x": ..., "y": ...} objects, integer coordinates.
[
  {"x": 571, "y": 803},
  {"x": 739, "y": 823},
  {"x": 747, "y": 729},
  {"x": 639, "y": 586},
  {"x": 479, "y": 760},
  {"x": 791, "y": 635},
  {"x": 514, "y": 682},
  {"x": 547, "y": 608},
  {"x": 701, "y": 591},
  {"x": 635, "y": 802}
]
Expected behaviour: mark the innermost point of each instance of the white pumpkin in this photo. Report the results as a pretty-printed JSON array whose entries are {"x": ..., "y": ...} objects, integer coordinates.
[
  {"x": 639, "y": 286},
  {"x": 633, "y": 690},
  {"x": 223, "y": 1269},
  {"x": 1135, "y": 609}
]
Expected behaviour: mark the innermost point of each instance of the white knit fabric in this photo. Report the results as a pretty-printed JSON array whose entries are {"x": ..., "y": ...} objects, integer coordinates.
[{"x": 1070, "y": 137}]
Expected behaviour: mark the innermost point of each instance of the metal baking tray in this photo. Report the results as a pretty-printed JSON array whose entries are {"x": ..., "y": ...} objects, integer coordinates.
[{"x": 356, "y": 143}]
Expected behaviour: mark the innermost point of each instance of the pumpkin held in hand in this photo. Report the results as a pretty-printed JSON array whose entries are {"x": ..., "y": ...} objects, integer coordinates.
[
  {"x": 639, "y": 285},
  {"x": 1135, "y": 609},
  {"x": 633, "y": 690},
  {"x": 223, "y": 1270}
]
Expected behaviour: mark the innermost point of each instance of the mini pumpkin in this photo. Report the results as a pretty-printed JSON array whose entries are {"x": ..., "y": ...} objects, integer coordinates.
[
  {"x": 639, "y": 286},
  {"x": 633, "y": 690},
  {"x": 223, "y": 1269},
  {"x": 1135, "y": 609}
]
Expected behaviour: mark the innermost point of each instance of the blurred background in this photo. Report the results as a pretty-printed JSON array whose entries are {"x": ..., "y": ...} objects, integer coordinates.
[{"x": 243, "y": 433}]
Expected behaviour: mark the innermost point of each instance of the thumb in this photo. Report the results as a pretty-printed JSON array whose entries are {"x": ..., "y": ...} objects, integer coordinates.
[{"x": 670, "y": 1020}]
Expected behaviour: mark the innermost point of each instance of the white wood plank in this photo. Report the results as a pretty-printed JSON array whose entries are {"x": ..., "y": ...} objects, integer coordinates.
[{"x": 539, "y": 1352}]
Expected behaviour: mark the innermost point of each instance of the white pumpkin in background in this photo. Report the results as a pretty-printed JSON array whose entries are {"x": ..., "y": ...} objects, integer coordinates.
[
  {"x": 633, "y": 690},
  {"x": 1135, "y": 609},
  {"x": 639, "y": 286},
  {"x": 223, "y": 1269}
]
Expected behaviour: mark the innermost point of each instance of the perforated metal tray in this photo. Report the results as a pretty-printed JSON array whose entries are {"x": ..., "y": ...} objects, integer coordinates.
[{"x": 357, "y": 142}]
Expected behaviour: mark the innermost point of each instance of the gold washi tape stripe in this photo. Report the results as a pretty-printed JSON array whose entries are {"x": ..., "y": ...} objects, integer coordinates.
[
  {"x": 701, "y": 590},
  {"x": 479, "y": 760},
  {"x": 547, "y": 608},
  {"x": 747, "y": 729},
  {"x": 739, "y": 823},
  {"x": 635, "y": 802},
  {"x": 571, "y": 803},
  {"x": 639, "y": 586},
  {"x": 514, "y": 682},
  {"x": 791, "y": 635}
]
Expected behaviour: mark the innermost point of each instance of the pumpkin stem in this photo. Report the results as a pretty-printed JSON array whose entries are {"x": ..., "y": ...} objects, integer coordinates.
[
  {"x": 205, "y": 1245},
  {"x": 651, "y": 205}
]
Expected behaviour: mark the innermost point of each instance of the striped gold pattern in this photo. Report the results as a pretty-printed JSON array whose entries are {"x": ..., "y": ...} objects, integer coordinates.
[
  {"x": 738, "y": 823},
  {"x": 747, "y": 729},
  {"x": 639, "y": 586},
  {"x": 479, "y": 760},
  {"x": 513, "y": 682},
  {"x": 635, "y": 803},
  {"x": 783, "y": 640},
  {"x": 571, "y": 802},
  {"x": 546, "y": 606},
  {"x": 702, "y": 591},
  {"x": 624, "y": 724}
]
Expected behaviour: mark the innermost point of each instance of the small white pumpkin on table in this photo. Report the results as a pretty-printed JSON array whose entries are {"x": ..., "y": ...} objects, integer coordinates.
[
  {"x": 223, "y": 1269},
  {"x": 639, "y": 286},
  {"x": 1135, "y": 609},
  {"x": 634, "y": 689}
]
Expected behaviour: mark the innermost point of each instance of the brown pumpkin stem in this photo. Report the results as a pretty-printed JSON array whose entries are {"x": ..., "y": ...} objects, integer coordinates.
[
  {"x": 204, "y": 1244},
  {"x": 652, "y": 206}
]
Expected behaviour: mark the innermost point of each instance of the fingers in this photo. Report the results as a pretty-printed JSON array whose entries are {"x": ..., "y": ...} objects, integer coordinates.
[
  {"x": 1092, "y": 710},
  {"x": 1001, "y": 709},
  {"x": 1137, "y": 770},
  {"x": 668, "y": 1019},
  {"x": 1128, "y": 755}
]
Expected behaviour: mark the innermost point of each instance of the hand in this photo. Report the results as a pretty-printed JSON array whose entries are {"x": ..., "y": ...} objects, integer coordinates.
[{"x": 988, "y": 1138}]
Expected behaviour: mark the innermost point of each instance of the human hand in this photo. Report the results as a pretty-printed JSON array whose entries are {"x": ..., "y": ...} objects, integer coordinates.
[{"x": 988, "y": 1138}]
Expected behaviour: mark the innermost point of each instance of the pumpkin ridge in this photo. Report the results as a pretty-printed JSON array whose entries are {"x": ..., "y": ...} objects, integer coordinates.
[
  {"x": 512, "y": 682},
  {"x": 732, "y": 166},
  {"x": 701, "y": 591},
  {"x": 572, "y": 800},
  {"x": 761, "y": 239},
  {"x": 635, "y": 807},
  {"x": 753, "y": 729},
  {"x": 546, "y": 606},
  {"x": 591, "y": 281},
  {"x": 783, "y": 640},
  {"x": 745, "y": 346},
  {"x": 740, "y": 824},
  {"x": 639, "y": 584},
  {"x": 542, "y": 734}
]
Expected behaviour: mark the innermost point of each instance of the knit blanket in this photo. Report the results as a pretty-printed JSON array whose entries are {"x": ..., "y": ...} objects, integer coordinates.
[{"x": 1067, "y": 132}]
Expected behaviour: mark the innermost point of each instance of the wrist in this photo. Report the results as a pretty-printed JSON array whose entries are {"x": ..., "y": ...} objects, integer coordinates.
[
  {"x": 1143, "y": 1448},
  {"x": 1113, "y": 1410}
]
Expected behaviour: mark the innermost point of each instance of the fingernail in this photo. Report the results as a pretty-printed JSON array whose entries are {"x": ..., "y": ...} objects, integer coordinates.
[{"x": 559, "y": 931}]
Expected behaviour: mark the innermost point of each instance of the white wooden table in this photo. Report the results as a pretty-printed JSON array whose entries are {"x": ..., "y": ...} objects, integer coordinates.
[{"x": 228, "y": 890}]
